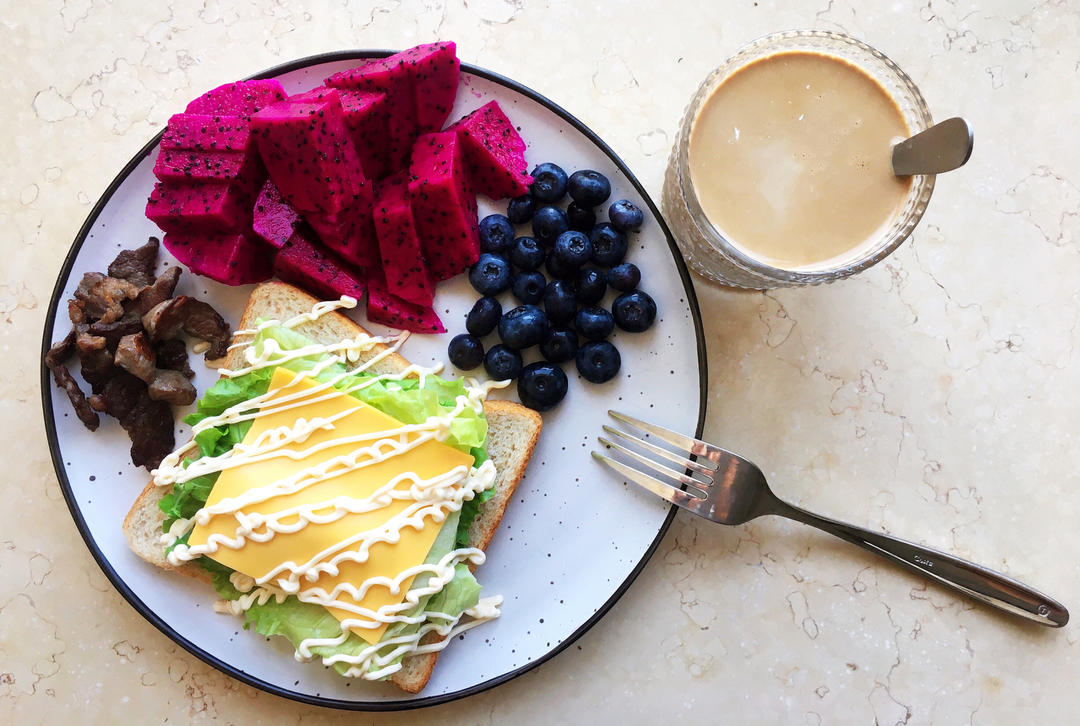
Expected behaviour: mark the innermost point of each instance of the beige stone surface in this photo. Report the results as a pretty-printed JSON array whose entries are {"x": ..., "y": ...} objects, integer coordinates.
[{"x": 934, "y": 397}]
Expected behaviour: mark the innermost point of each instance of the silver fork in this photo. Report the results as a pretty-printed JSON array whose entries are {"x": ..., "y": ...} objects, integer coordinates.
[{"x": 726, "y": 488}]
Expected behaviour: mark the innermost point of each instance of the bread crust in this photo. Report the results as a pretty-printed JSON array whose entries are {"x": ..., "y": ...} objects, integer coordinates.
[{"x": 513, "y": 431}]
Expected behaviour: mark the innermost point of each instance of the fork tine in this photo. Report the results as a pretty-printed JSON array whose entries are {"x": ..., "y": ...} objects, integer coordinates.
[
  {"x": 657, "y": 467},
  {"x": 678, "y": 497},
  {"x": 672, "y": 437},
  {"x": 672, "y": 457}
]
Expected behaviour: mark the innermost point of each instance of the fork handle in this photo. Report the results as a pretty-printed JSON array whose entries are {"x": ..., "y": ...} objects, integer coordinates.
[{"x": 976, "y": 581}]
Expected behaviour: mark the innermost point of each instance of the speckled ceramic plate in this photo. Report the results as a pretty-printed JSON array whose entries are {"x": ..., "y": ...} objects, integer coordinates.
[{"x": 567, "y": 504}]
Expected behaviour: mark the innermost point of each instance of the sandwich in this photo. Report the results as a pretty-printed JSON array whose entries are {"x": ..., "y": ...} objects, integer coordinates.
[{"x": 336, "y": 494}]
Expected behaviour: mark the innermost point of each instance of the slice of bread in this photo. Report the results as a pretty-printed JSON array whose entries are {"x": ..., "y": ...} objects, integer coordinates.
[{"x": 512, "y": 434}]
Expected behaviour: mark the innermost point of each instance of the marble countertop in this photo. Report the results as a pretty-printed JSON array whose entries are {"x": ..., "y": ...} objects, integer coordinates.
[{"x": 933, "y": 397}]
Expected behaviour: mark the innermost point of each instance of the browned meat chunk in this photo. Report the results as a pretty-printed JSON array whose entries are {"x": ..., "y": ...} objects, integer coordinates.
[
  {"x": 135, "y": 356},
  {"x": 171, "y": 387},
  {"x": 194, "y": 317},
  {"x": 151, "y": 432},
  {"x": 137, "y": 265},
  {"x": 55, "y": 359},
  {"x": 158, "y": 291},
  {"x": 77, "y": 312},
  {"x": 119, "y": 397},
  {"x": 96, "y": 360},
  {"x": 172, "y": 355},
  {"x": 114, "y": 331},
  {"x": 104, "y": 300}
]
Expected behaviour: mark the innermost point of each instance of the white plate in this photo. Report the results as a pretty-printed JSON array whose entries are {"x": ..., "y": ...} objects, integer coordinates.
[{"x": 566, "y": 505}]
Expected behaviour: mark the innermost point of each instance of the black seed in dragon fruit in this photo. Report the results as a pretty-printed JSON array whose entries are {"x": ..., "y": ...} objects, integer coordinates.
[
  {"x": 389, "y": 76},
  {"x": 204, "y": 132},
  {"x": 242, "y": 98},
  {"x": 308, "y": 153},
  {"x": 210, "y": 207},
  {"x": 387, "y": 309},
  {"x": 273, "y": 219},
  {"x": 494, "y": 152},
  {"x": 402, "y": 259},
  {"x": 443, "y": 205},
  {"x": 434, "y": 70},
  {"x": 307, "y": 265},
  {"x": 233, "y": 259}
]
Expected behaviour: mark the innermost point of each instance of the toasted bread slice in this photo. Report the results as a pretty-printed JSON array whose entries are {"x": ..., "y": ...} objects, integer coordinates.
[{"x": 512, "y": 434}]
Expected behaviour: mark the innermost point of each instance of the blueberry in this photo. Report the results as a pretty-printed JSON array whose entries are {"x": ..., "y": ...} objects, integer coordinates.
[
  {"x": 624, "y": 277},
  {"x": 527, "y": 254},
  {"x": 523, "y": 327},
  {"x": 572, "y": 249},
  {"x": 589, "y": 188},
  {"x": 560, "y": 302},
  {"x": 548, "y": 223},
  {"x": 609, "y": 245},
  {"x": 634, "y": 311},
  {"x": 557, "y": 269},
  {"x": 502, "y": 363},
  {"x": 598, "y": 361},
  {"x": 559, "y": 346},
  {"x": 580, "y": 218},
  {"x": 490, "y": 275},
  {"x": 484, "y": 316},
  {"x": 594, "y": 323},
  {"x": 625, "y": 217},
  {"x": 496, "y": 234},
  {"x": 549, "y": 183},
  {"x": 590, "y": 285},
  {"x": 465, "y": 351},
  {"x": 528, "y": 287},
  {"x": 541, "y": 386},
  {"x": 520, "y": 209}
]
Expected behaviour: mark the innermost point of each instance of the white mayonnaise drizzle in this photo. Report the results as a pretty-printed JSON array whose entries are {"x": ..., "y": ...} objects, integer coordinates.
[{"x": 431, "y": 499}]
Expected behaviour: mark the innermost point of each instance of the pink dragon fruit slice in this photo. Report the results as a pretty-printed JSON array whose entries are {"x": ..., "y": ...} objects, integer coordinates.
[
  {"x": 190, "y": 165},
  {"x": 242, "y": 98},
  {"x": 210, "y": 207},
  {"x": 434, "y": 69},
  {"x": 391, "y": 78},
  {"x": 443, "y": 206},
  {"x": 368, "y": 121},
  {"x": 387, "y": 309},
  {"x": 403, "y": 264},
  {"x": 204, "y": 132},
  {"x": 308, "y": 153},
  {"x": 273, "y": 219},
  {"x": 233, "y": 259},
  {"x": 318, "y": 271},
  {"x": 494, "y": 152}
]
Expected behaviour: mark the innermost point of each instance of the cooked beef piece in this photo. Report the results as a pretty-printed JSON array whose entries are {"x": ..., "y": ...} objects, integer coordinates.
[
  {"x": 77, "y": 312},
  {"x": 160, "y": 289},
  {"x": 194, "y": 317},
  {"x": 171, "y": 387},
  {"x": 151, "y": 432},
  {"x": 88, "y": 280},
  {"x": 119, "y": 397},
  {"x": 172, "y": 355},
  {"x": 135, "y": 356},
  {"x": 114, "y": 331},
  {"x": 104, "y": 300},
  {"x": 136, "y": 266},
  {"x": 55, "y": 359},
  {"x": 97, "y": 361}
]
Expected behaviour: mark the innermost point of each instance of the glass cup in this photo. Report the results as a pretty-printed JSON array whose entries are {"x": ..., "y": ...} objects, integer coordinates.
[{"x": 707, "y": 250}]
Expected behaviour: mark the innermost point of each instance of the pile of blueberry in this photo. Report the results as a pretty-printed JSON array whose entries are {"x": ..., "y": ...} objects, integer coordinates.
[{"x": 582, "y": 258}]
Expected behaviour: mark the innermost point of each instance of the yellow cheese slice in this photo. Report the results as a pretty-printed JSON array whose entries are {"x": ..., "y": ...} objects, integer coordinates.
[{"x": 256, "y": 559}]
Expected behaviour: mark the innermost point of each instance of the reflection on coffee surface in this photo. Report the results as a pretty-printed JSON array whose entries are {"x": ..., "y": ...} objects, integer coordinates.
[{"x": 790, "y": 159}]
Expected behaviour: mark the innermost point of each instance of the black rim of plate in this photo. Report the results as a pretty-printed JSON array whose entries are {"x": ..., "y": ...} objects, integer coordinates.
[{"x": 234, "y": 672}]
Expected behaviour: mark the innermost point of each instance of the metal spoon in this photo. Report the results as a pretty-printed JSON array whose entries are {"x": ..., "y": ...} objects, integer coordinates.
[{"x": 942, "y": 147}]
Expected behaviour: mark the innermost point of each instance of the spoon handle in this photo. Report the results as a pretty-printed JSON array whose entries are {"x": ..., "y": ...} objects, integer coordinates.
[
  {"x": 976, "y": 581},
  {"x": 940, "y": 148}
]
